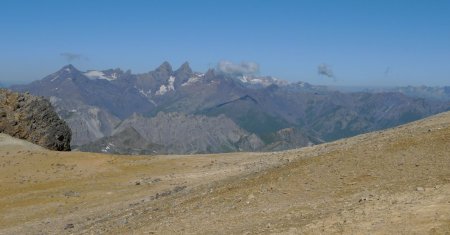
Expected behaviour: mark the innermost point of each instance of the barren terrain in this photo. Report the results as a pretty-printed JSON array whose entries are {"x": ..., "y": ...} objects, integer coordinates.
[{"x": 395, "y": 181}]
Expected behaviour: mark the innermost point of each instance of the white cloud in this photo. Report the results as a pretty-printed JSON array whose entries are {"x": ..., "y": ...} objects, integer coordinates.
[{"x": 243, "y": 68}]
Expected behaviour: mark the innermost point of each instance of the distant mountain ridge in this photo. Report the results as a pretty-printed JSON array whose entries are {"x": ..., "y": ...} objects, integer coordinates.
[
  {"x": 437, "y": 93},
  {"x": 96, "y": 104}
]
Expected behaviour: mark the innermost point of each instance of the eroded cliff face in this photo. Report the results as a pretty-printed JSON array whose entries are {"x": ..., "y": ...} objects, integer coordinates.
[
  {"x": 176, "y": 133},
  {"x": 33, "y": 118}
]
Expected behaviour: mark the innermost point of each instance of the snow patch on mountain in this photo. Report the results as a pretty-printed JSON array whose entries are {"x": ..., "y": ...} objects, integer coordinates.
[
  {"x": 145, "y": 93},
  {"x": 54, "y": 79},
  {"x": 194, "y": 79},
  {"x": 170, "y": 87},
  {"x": 163, "y": 89},
  {"x": 261, "y": 81},
  {"x": 95, "y": 74}
]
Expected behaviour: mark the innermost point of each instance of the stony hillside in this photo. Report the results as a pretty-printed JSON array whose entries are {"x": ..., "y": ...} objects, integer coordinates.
[
  {"x": 32, "y": 118},
  {"x": 395, "y": 181},
  {"x": 177, "y": 133}
]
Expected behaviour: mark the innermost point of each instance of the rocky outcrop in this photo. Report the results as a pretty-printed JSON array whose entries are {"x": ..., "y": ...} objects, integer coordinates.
[
  {"x": 33, "y": 118},
  {"x": 289, "y": 138}
]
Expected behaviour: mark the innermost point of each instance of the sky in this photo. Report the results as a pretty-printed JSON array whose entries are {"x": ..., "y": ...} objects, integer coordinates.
[{"x": 340, "y": 43}]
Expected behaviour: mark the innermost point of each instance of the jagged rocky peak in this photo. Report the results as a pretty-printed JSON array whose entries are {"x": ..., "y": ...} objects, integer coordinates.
[
  {"x": 69, "y": 68},
  {"x": 114, "y": 72},
  {"x": 183, "y": 74},
  {"x": 184, "y": 68},
  {"x": 165, "y": 67},
  {"x": 67, "y": 72},
  {"x": 210, "y": 74}
]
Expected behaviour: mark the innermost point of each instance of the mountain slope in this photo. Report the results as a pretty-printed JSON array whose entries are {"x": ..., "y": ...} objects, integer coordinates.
[
  {"x": 395, "y": 181},
  {"x": 181, "y": 133}
]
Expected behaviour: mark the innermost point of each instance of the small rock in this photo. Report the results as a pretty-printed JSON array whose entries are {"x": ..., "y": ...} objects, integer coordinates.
[
  {"x": 251, "y": 196},
  {"x": 179, "y": 188},
  {"x": 420, "y": 189},
  {"x": 69, "y": 226}
]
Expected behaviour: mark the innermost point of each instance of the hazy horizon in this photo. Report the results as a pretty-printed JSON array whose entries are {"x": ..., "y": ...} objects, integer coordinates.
[{"x": 345, "y": 43}]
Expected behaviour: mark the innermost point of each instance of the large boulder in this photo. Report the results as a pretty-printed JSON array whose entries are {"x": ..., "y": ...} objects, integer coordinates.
[{"x": 32, "y": 118}]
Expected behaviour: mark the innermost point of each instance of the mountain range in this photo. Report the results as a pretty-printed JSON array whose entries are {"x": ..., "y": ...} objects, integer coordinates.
[{"x": 182, "y": 111}]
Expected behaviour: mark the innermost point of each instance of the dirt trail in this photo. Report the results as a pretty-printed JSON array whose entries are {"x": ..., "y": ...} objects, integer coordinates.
[{"x": 393, "y": 181}]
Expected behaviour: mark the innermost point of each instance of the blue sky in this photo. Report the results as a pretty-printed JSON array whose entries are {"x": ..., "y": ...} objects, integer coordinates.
[{"x": 376, "y": 43}]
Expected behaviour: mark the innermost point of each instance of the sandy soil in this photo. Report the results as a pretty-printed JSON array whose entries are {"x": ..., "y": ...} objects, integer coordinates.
[{"x": 395, "y": 181}]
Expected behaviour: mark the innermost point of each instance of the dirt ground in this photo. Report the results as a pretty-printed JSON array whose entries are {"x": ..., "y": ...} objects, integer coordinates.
[{"x": 395, "y": 181}]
